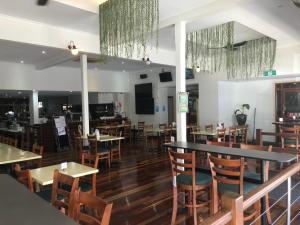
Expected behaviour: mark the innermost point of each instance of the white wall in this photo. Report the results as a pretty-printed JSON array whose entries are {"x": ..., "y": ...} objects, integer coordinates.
[{"x": 16, "y": 76}]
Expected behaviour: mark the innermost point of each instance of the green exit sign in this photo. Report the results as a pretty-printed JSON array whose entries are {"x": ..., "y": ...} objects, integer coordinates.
[{"x": 270, "y": 73}]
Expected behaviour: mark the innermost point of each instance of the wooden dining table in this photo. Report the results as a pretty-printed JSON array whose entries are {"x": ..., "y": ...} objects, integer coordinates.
[
  {"x": 44, "y": 175},
  {"x": 10, "y": 154},
  {"x": 262, "y": 156},
  {"x": 19, "y": 206}
]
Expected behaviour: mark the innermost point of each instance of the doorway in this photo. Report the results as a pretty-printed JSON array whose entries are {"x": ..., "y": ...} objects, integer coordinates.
[{"x": 171, "y": 108}]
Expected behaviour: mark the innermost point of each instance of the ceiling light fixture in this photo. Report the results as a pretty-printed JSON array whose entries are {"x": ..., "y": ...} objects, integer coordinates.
[
  {"x": 198, "y": 69},
  {"x": 22, "y": 61},
  {"x": 72, "y": 47},
  {"x": 147, "y": 61},
  {"x": 43, "y": 52}
]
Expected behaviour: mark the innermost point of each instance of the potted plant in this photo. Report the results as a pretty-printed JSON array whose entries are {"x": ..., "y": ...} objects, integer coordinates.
[{"x": 240, "y": 115}]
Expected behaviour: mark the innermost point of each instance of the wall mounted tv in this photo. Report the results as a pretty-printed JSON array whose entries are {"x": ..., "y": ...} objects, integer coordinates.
[
  {"x": 144, "y": 102},
  {"x": 165, "y": 77},
  {"x": 143, "y": 90},
  {"x": 144, "y": 106}
]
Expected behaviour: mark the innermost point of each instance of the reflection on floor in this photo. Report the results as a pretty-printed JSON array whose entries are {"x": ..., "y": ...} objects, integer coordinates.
[{"x": 141, "y": 189}]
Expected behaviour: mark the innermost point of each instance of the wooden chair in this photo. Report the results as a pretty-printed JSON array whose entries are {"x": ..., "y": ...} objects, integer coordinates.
[
  {"x": 195, "y": 136},
  {"x": 62, "y": 188},
  {"x": 208, "y": 127},
  {"x": 24, "y": 177},
  {"x": 243, "y": 134},
  {"x": 190, "y": 181},
  {"x": 221, "y": 133},
  {"x": 140, "y": 131},
  {"x": 102, "y": 152},
  {"x": 115, "y": 149},
  {"x": 257, "y": 176},
  {"x": 221, "y": 144},
  {"x": 289, "y": 137},
  {"x": 89, "y": 209},
  {"x": 12, "y": 142},
  {"x": 148, "y": 132},
  {"x": 162, "y": 126},
  {"x": 38, "y": 149},
  {"x": 127, "y": 132},
  {"x": 228, "y": 175},
  {"x": 88, "y": 184},
  {"x": 232, "y": 135}
]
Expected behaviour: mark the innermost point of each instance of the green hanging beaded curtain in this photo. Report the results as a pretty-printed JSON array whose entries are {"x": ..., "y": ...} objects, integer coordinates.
[
  {"x": 206, "y": 48},
  {"x": 251, "y": 59},
  {"x": 128, "y": 26}
]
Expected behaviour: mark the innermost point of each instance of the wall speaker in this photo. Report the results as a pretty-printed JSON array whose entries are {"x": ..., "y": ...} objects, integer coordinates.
[{"x": 143, "y": 76}]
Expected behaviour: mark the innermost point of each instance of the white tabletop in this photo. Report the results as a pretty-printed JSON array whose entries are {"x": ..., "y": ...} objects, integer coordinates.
[
  {"x": 44, "y": 175},
  {"x": 109, "y": 138},
  {"x": 10, "y": 154}
]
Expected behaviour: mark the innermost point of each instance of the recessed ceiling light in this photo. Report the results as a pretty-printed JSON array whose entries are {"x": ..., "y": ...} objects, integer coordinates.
[
  {"x": 124, "y": 71},
  {"x": 123, "y": 62},
  {"x": 19, "y": 92},
  {"x": 71, "y": 91},
  {"x": 22, "y": 61},
  {"x": 151, "y": 70},
  {"x": 43, "y": 52}
]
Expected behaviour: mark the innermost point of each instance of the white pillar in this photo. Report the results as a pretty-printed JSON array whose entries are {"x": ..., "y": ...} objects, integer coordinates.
[
  {"x": 34, "y": 107},
  {"x": 84, "y": 95},
  {"x": 180, "y": 39}
]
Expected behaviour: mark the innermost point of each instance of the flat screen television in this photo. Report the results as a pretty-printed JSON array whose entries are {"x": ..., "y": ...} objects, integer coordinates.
[
  {"x": 144, "y": 105},
  {"x": 165, "y": 77},
  {"x": 143, "y": 90},
  {"x": 189, "y": 74}
]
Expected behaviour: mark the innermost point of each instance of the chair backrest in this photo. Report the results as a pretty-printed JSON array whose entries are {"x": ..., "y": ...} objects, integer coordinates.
[
  {"x": 141, "y": 125},
  {"x": 285, "y": 131},
  {"x": 167, "y": 135},
  {"x": 63, "y": 187},
  {"x": 227, "y": 171},
  {"x": 162, "y": 125},
  {"x": 91, "y": 160},
  {"x": 232, "y": 134},
  {"x": 12, "y": 142},
  {"x": 259, "y": 148},
  {"x": 183, "y": 163},
  {"x": 96, "y": 210},
  {"x": 221, "y": 134},
  {"x": 38, "y": 149},
  {"x": 209, "y": 127},
  {"x": 24, "y": 177},
  {"x": 195, "y": 129},
  {"x": 93, "y": 143}
]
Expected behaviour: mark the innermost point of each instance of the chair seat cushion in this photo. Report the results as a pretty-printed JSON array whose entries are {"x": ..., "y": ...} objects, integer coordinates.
[
  {"x": 201, "y": 179},
  {"x": 222, "y": 188},
  {"x": 252, "y": 175},
  {"x": 85, "y": 186},
  {"x": 45, "y": 194}
]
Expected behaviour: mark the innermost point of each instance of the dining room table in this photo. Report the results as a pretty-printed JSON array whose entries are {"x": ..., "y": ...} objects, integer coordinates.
[
  {"x": 10, "y": 154},
  {"x": 20, "y": 206},
  {"x": 262, "y": 156},
  {"x": 44, "y": 175}
]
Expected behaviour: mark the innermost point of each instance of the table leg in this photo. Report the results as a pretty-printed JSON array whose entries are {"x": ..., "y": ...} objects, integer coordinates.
[{"x": 263, "y": 199}]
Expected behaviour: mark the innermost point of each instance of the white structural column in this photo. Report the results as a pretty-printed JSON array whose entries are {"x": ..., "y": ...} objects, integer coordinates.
[
  {"x": 180, "y": 39},
  {"x": 84, "y": 95},
  {"x": 34, "y": 107}
]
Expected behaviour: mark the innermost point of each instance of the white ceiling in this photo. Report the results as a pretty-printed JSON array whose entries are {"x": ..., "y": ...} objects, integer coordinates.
[{"x": 280, "y": 21}]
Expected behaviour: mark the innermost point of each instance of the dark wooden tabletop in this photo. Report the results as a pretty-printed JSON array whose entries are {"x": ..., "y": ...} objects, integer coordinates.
[
  {"x": 253, "y": 154},
  {"x": 19, "y": 206}
]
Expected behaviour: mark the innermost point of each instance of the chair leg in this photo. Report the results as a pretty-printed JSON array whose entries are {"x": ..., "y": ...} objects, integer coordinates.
[
  {"x": 194, "y": 208},
  {"x": 257, "y": 209},
  {"x": 269, "y": 218},
  {"x": 175, "y": 201}
]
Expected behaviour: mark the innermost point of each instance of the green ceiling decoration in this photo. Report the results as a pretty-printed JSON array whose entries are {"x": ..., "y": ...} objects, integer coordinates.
[
  {"x": 211, "y": 48},
  {"x": 128, "y": 26},
  {"x": 206, "y": 48},
  {"x": 251, "y": 59}
]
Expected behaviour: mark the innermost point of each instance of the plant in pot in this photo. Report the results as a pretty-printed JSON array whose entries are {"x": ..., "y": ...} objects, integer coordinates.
[{"x": 240, "y": 115}]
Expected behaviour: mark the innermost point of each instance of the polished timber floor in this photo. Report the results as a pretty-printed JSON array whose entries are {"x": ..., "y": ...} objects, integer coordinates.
[{"x": 140, "y": 188}]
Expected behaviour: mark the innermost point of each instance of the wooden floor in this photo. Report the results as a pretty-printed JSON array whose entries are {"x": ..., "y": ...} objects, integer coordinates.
[{"x": 140, "y": 187}]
